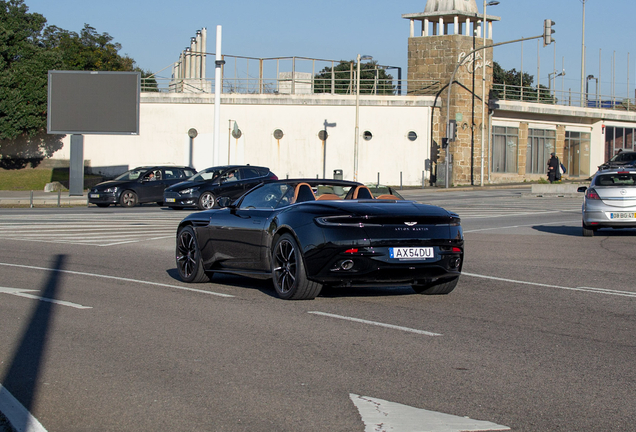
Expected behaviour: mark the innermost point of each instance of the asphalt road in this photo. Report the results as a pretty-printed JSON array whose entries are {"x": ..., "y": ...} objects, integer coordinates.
[{"x": 539, "y": 335}]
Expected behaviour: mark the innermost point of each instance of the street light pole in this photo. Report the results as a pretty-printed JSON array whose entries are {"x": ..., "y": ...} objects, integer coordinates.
[
  {"x": 357, "y": 136},
  {"x": 483, "y": 90},
  {"x": 583, "y": 56}
]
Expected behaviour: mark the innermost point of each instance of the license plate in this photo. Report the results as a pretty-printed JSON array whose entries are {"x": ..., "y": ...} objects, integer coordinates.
[
  {"x": 93, "y": 195},
  {"x": 411, "y": 253},
  {"x": 621, "y": 215},
  {"x": 169, "y": 199}
]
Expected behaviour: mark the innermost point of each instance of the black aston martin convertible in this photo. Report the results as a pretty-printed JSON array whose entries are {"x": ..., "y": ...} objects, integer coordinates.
[{"x": 304, "y": 234}]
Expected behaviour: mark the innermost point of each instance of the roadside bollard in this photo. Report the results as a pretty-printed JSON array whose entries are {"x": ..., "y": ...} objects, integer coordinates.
[
  {"x": 59, "y": 197},
  {"x": 31, "y": 200}
]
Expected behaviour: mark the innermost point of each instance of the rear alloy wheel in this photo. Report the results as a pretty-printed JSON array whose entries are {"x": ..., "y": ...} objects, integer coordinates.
[
  {"x": 128, "y": 199},
  {"x": 188, "y": 257},
  {"x": 587, "y": 232},
  {"x": 439, "y": 287},
  {"x": 206, "y": 201},
  {"x": 288, "y": 271}
]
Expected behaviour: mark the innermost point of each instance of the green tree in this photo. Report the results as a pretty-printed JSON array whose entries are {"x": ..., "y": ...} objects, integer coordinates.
[
  {"x": 24, "y": 62},
  {"x": 90, "y": 50},
  {"x": 508, "y": 83},
  {"x": 373, "y": 79}
]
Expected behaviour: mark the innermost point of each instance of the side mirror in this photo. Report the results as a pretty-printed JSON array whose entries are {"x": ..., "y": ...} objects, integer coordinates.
[
  {"x": 582, "y": 189},
  {"x": 224, "y": 202}
]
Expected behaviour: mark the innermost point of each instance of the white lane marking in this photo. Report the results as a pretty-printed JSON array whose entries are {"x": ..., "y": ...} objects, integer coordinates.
[
  {"x": 18, "y": 416},
  {"x": 584, "y": 289},
  {"x": 521, "y": 226},
  {"x": 117, "y": 278},
  {"x": 482, "y": 216},
  {"x": 23, "y": 293},
  {"x": 391, "y": 326},
  {"x": 379, "y": 415}
]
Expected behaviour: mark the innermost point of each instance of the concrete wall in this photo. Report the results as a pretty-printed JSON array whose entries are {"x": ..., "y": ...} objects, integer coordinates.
[{"x": 166, "y": 118}]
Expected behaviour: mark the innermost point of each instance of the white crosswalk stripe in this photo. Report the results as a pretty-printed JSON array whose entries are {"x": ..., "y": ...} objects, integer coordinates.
[{"x": 90, "y": 229}]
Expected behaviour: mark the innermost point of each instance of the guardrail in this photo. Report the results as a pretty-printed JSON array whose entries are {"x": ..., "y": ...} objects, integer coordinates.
[{"x": 564, "y": 98}]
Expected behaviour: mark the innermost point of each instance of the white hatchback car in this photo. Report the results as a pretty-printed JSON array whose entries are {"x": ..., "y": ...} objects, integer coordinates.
[{"x": 610, "y": 200}]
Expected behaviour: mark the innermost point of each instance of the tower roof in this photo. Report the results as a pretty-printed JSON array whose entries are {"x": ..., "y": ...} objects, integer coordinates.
[{"x": 446, "y": 6}]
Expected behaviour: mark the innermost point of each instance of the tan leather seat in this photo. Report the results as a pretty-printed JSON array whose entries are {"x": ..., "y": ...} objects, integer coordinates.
[
  {"x": 328, "y": 196},
  {"x": 387, "y": 197},
  {"x": 303, "y": 193},
  {"x": 362, "y": 192}
]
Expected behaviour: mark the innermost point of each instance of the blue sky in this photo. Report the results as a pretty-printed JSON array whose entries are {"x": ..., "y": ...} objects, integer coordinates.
[{"x": 155, "y": 32}]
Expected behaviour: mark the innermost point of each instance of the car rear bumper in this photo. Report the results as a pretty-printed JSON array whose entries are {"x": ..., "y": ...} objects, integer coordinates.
[
  {"x": 376, "y": 268},
  {"x": 610, "y": 219}
]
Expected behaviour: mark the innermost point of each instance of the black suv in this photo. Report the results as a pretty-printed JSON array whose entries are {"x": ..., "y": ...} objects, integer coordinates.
[
  {"x": 203, "y": 189},
  {"x": 624, "y": 158},
  {"x": 140, "y": 185}
]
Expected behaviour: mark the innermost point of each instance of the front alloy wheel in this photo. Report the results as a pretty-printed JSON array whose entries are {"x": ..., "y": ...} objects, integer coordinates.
[
  {"x": 288, "y": 271},
  {"x": 128, "y": 199},
  {"x": 206, "y": 201},
  {"x": 188, "y": 257}
]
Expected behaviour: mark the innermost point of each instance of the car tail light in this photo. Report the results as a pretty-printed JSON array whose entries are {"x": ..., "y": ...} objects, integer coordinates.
[
  {"x": 591, "y": 194},
  {"x": 351, "y": 251},
  {"x": 456, "y": 249},
  {"x": 273, "y": 176}
]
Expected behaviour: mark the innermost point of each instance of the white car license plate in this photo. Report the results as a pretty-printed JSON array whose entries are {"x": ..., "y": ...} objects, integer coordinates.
[
  {"x": 411, "y": 253},
  {"x": 621, "y": 215},
  {"x": 94, "y": 195},
  {"x": 169, "y": 199}
]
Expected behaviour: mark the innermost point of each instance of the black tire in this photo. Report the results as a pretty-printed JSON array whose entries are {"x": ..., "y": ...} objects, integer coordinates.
[
  {"x": 188, "y": 257},
  {"x": 206, "y": 201},
  {"x": 288, "y": 271},
  {"x": 587, "y": 232},
  {"x": 128, "y": 198},
  {"x": 102, "y": 205},
  {"x": 444, "y": 286}
]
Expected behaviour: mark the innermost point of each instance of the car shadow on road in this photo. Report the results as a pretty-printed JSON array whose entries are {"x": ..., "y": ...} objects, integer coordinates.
[
  {"x": 577, "y": 231},
  {"x": 266, "y": 287}
]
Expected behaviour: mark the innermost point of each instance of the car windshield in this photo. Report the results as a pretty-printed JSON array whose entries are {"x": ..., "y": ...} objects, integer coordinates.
[
  {"x": 207, "y": 174},
  {"x": 616, "y": 179},
  {"x": 132, "y": 174},
  {"x": 272, "y": 195}
]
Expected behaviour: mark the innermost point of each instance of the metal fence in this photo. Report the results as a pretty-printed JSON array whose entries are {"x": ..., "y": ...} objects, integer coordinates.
[
  {"x": 295, "y": 75},
  {"x": 564, "y": 98}
]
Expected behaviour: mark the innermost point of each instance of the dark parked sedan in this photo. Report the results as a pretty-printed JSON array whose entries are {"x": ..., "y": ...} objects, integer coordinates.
[
  {"x": 140, "y": 185},
  {"x": 203, "y": 189},
  {"x": 304, "y": 234}
]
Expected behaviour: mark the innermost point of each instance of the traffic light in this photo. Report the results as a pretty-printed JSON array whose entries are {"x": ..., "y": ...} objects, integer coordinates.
[
  {"x": 451, "y": 130},
  {"x": 547, "y": 32},
  {"x": 437, "y": 151}
]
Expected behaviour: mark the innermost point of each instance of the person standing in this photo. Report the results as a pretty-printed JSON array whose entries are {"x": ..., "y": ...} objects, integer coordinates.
[{"x": 553, "y": 168}]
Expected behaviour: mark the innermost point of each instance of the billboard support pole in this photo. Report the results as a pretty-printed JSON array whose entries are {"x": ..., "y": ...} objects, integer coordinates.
[{"x": 76, "y": 166}]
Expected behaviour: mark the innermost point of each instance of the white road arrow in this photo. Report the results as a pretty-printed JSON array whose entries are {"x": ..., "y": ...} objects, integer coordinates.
[
  {"x": 23, "y": 293},
  {"x": 383, "y": 416}
]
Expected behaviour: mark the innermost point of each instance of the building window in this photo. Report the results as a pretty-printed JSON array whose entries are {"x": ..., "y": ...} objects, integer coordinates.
[
  {"x": 576, "y": 154},
  {"x": 278, "y": 134},
  {"x": 505, "y": 141},
  {"x": 412, "y": 136},
  {"x": 541, "y": 143},
  {"x": 618, "y": 139},
  {"x": 367, "y": 135}
]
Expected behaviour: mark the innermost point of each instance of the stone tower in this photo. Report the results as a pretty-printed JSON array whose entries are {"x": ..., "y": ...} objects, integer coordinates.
[{"x": 450, "y": 30}]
